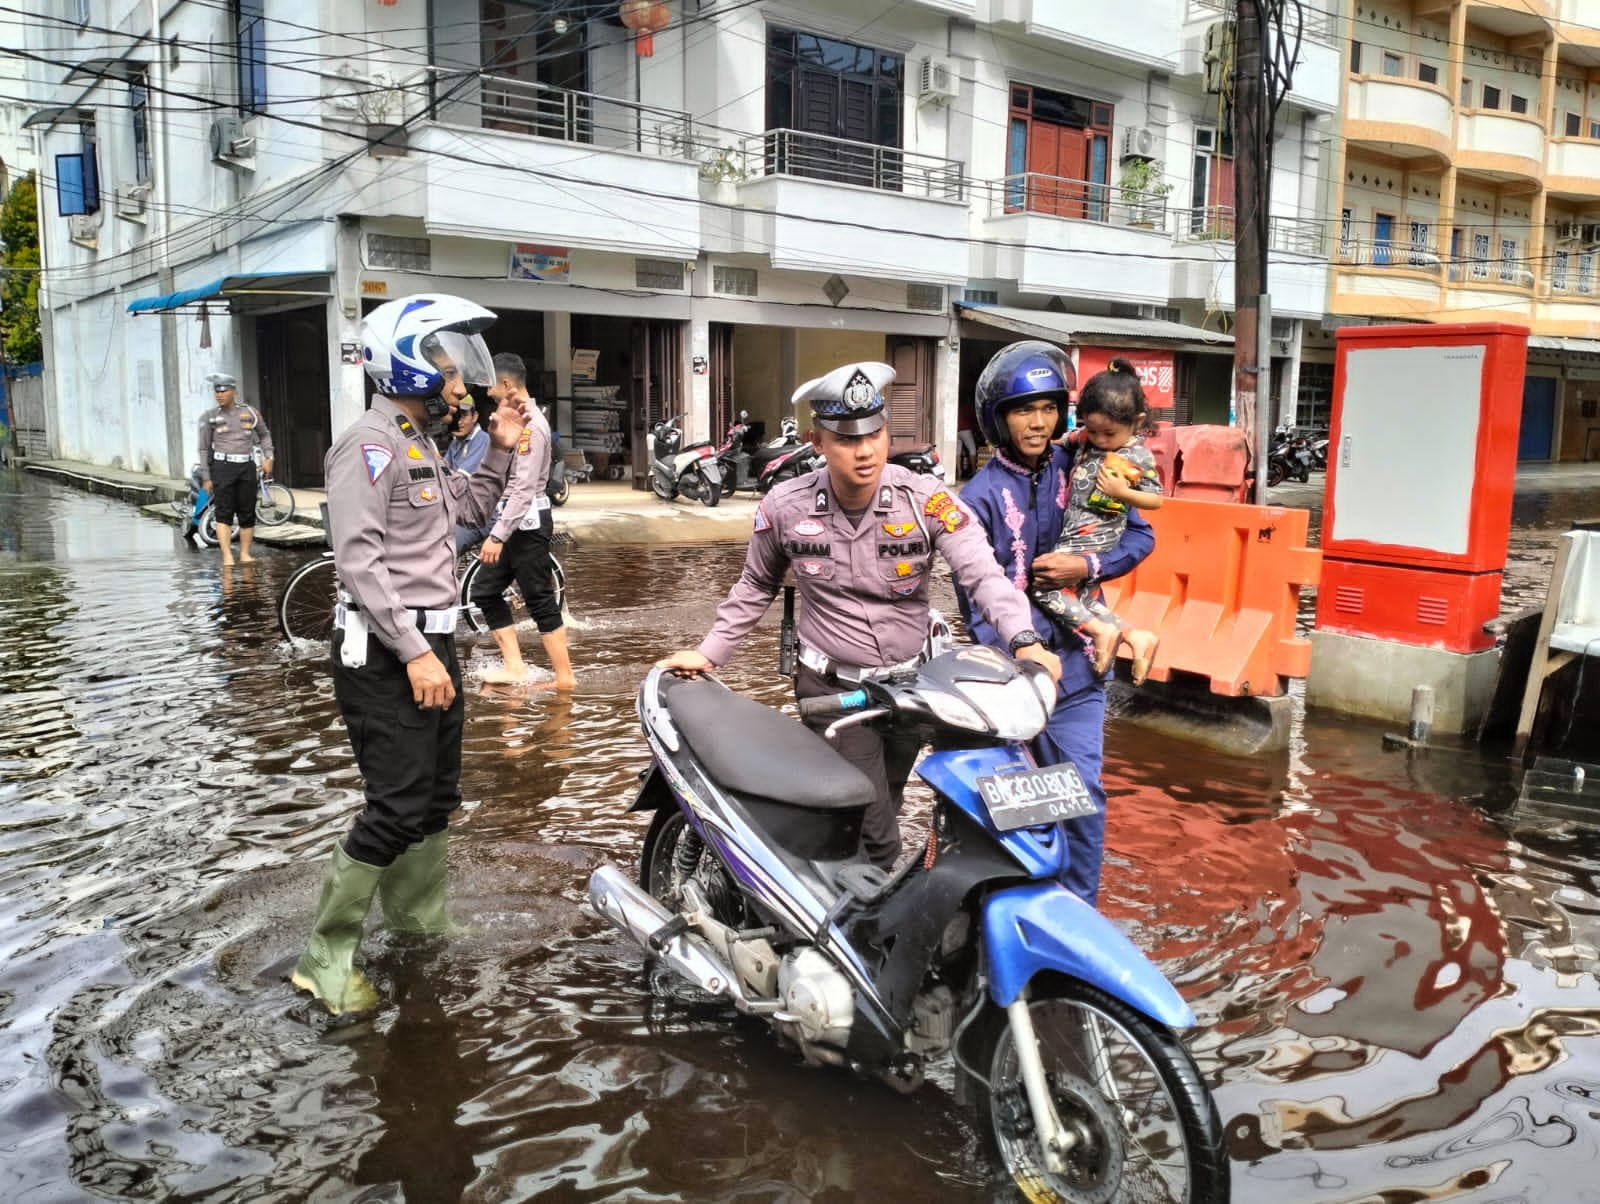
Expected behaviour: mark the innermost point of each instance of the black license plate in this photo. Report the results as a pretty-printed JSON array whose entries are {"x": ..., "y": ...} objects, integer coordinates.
[{"x": 1036, "y": 796}]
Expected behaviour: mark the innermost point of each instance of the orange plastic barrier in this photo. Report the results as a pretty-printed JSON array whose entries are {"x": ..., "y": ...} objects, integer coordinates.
[{"x": 1222, "y": 589}]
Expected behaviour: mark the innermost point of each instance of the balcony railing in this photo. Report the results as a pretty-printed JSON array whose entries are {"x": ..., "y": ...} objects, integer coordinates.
[
  {"x": 843, "y": 161},
  {"x": 1080, "y": 200},
  {"x": 1572, "y": 285},
  {"x": 1293, "y": 235},
  {"x": 1416, "y": 257},
  {"x": 522, "y": 107}
]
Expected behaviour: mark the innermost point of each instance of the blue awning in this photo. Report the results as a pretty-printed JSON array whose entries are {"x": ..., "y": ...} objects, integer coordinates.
[{"x": 230, "y": 289}]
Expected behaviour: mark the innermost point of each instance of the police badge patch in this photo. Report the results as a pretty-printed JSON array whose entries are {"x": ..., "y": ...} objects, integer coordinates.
[
  {"x": 377, "y": 458},
  {"x": 763, "y": 523},
  {"x": 858, "y": 392},
  {"x": 945, "y": 510}
]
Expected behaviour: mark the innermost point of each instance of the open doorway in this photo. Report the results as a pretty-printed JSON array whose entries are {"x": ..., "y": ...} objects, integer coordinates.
[{"x": 292, "y": 362}]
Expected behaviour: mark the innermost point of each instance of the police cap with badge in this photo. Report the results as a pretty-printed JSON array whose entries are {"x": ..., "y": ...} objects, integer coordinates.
[{"x": 848, "y": 400}]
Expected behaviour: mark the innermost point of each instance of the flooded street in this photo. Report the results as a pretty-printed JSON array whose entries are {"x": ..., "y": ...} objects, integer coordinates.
[{"x": 1395, "y": 973}]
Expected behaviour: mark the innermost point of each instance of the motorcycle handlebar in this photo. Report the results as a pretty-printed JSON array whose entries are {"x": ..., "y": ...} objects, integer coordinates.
[{"x": 832, "y": 704}]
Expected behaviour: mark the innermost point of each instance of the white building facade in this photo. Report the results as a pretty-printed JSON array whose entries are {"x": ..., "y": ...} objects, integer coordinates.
[{"x": 776, "y": 189}]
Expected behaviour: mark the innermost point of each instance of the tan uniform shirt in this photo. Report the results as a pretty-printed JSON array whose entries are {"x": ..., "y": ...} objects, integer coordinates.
[
  {"x": 530, "y": 473},
  {"x": 232, "y": 432},
  {"x": 393, "y": 507},
  {"x": 864, "y": 590}
]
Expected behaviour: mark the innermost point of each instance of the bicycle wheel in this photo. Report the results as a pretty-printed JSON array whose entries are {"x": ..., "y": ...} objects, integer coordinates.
[
  {"x": 276, "y": 506},
  {"x": 513, "y": 596},
  {"x": 305, "y": 608}
]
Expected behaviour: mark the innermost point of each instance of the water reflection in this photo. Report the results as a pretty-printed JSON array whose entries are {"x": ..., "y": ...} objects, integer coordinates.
[{"x": 1395, "y": 975}]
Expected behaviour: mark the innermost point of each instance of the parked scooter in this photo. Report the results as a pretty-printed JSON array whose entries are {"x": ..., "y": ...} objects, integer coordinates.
[
  {"x": 674, "y": 469},
  {"x": 922, "y": 458},
  {"x": 197, "y": 515},
  {"x": 752, "y": 887},
  {"x": 743, "y": 463}
]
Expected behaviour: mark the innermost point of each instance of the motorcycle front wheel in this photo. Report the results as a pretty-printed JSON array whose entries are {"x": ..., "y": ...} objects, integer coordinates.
[
  {"x": 665, "y": 492},
  {"x": 1123, "y": 1085},
  {"x": 207, "y": 528},
  {"x": 558, "y": 492},
  {"x": 1277, "y": 470},
  {"x": 710, "y": 491}
]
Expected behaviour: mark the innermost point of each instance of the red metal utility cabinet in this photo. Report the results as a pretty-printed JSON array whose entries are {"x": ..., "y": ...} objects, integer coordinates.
[{"x": 1422, "y": 462}]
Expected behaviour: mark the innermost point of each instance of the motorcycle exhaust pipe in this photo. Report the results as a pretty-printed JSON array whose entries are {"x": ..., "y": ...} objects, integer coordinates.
[{"x": 626, "y": 904}]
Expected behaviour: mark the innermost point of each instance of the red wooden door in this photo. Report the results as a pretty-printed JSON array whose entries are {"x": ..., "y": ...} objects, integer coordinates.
[{"x": 1059, "y": 152}]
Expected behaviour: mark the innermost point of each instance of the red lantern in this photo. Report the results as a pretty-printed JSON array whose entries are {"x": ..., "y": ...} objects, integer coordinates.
[{"x": 644, "y": 17}]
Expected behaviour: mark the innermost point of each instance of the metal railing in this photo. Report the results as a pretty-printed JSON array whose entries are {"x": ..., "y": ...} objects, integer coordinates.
[
  {"x": 1417, "y": 257},
  {"x": 1217, "y": 223},
  {"x": 1079, "y": 200},
  {"x": 1573, "y": 284},
  {"x": 841, "y": 160},
  {"x": 500, "y": 102}
]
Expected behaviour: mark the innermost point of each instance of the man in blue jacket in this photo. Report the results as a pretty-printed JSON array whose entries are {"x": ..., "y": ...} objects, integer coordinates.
[{"x": 1020, "y": 498}]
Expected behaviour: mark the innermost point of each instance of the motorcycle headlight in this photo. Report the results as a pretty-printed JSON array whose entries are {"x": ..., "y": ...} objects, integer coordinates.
[{"x": 956, "y": 713}]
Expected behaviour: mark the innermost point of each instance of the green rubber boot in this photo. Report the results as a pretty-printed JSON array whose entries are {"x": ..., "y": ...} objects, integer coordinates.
[
  {"x": 412, "y": 889},
  {"x": 327, "y": 967}
]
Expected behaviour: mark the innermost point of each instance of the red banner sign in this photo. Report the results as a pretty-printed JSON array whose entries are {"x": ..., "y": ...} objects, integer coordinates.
[{"x": 1155, "y": 368}]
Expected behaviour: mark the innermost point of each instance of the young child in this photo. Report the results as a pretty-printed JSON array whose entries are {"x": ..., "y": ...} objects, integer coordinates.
[{"x": 1114, "y": 470}]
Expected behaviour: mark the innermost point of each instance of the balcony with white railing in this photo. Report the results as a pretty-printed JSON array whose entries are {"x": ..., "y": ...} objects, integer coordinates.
[
  {"x": 1297, "y": 259},
  {"x": 832, "y": 204},
  {"x": 1053, "y": 234},
  {"x": 1379, "y": 276},
  {"x": 499, "y": 159},
  {"x": 1499, "y": 145},
  {"x": 1572, "y": 168},
  {"x": 1398, "y": 116},
  {"x": 1567, "y": 300}
]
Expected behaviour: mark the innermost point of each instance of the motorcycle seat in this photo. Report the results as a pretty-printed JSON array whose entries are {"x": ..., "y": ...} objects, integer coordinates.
[{"x": 753, "y": 750}]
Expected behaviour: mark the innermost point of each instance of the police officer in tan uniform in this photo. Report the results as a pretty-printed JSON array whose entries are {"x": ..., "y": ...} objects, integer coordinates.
[
  {"x": 859, "y": 534},
  {"x": 518, "y": 546},
  {"x": 393, "y": 507},
  {"x": 229, "y": 434}
]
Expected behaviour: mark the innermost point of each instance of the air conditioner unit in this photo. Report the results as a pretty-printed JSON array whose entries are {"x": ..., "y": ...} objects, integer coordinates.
[
  {"x": 230, "y": 145},
  {"x": 938, "y": 81},
  {"x": 1140, "y": 142},
  {"x": 131, "y": 202},
  {"x": 84, "y": 229}
]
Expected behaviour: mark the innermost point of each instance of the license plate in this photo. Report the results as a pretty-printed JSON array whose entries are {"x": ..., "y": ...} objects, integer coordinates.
[{"x": 1036, "y": 796}]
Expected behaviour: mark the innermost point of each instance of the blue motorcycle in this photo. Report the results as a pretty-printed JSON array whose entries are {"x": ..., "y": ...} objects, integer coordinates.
[
  {"x": 752, "y": 889},
  {"x": 197, "y": 516}
]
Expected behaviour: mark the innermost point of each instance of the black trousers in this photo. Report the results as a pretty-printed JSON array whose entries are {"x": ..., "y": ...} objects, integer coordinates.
[
  {"x": 887, "y": 761},
  {"x": 525, "y": 559},
  {"x": 410, "y": 758},
  {"x": 233, "y": 488}
]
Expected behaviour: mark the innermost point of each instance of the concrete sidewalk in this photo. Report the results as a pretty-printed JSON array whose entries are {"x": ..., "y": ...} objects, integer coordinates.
[{"x": 596, "y": 512}]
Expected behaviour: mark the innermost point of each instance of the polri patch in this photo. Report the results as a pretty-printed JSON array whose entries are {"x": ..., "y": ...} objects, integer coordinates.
[
  {"x": 899, "y": 530},
  {"x": 946, "y": 511},
  {"x": 809, "y": 528},
  {"x": 377, "y": 457},
  {"x": 524, "y": 443}
]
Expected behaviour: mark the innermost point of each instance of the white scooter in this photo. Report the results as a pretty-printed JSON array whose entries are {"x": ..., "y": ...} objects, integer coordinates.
[{"x": 692, "y": 471}]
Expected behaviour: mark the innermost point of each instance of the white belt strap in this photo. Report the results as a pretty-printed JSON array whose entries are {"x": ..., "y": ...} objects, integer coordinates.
[
  {"x": 439, "y": 622},
  {"x": 819, "y": 662},
  {"x": 216, "y": 455}
]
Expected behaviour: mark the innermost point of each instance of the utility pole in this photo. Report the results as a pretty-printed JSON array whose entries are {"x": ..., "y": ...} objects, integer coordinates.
[{"x": 1252, "y": 176}]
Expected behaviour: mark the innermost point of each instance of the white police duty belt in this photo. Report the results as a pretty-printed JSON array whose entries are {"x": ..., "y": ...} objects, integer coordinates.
[
  {"x": 347, "y": 617},
  {"x": 531, "y": 520},
  {"x": 819, "y": 662}
]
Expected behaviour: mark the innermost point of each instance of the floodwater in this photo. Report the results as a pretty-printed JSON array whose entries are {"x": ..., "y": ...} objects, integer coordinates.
[{"x": 1394, "y": 970}]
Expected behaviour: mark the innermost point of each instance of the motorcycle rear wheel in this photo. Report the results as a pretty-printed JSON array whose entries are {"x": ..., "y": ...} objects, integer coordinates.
[
  {"x": 559, "y": 491},
  {"x": 1276, "y": 472},
  {"x": 1148, "y": 1129},
  {"x": 661, "y": 875}
]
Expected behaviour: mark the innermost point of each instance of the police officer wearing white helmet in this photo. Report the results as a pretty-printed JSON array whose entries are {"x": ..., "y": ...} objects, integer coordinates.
[
  {"x": 859, "y": 534},
  {"x": 393, "y": 507}
]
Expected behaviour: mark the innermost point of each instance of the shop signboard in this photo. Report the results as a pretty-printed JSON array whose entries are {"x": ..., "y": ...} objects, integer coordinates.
[
  {"x": 548, "y": 265},
  {"x": 1155, "y": 369}
]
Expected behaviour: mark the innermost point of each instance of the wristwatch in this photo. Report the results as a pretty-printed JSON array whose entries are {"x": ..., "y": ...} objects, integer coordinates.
[{"x": 1023, "y": 638}]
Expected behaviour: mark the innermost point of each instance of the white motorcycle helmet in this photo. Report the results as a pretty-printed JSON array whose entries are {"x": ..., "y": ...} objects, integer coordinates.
[{"x": 410, "y": 345}]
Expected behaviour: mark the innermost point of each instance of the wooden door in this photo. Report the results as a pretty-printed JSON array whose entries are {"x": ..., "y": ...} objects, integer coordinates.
[
  {"x": 723, "y": 410},
  {"x": 655, "y": 379},
  {"x": 1060, "y": 152},
  {"x": 909, "y": 398}
]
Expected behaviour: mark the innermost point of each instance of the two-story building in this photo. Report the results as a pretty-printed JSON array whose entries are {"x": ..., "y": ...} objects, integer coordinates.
[{"x": 771, "y": 191}]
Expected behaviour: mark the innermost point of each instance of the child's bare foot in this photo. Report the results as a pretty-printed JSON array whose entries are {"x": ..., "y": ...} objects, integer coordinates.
[
  {"x": 1104, "y": 636},
  {"x": 1142, "y": 646}
]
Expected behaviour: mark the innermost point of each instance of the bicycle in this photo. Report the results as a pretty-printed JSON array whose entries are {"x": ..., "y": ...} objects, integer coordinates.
[
  {"x": 274, "y": 502},
  {"x": 305, "y": 607}
]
